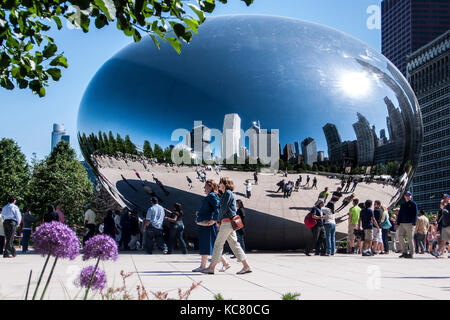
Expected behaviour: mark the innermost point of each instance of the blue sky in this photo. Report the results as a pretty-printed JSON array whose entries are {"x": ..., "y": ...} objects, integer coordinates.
[{"x": 28, "y": 119}]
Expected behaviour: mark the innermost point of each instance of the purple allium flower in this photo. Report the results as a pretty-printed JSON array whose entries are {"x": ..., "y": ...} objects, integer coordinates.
[
  {"x": 100, "y": 246},
  {"x": 99, "y": 281},
  {"x": 56, "y": 239}
]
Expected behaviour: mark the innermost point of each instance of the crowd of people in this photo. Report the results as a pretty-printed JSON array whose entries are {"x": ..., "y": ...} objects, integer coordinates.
[{"x": 370, "y": 225}]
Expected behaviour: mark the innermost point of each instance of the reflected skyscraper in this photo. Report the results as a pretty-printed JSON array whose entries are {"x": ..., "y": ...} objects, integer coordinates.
[
  {"x": 365, "y": 140},
  {"x": 320, "y": 156},
  {"x": 333, "y": 141},
  {"x": 254, "y": 139},
  {"x": 231, "y": 136},
  {"x": 309, "y": 150},
  {"x": 289, "y": 154}
]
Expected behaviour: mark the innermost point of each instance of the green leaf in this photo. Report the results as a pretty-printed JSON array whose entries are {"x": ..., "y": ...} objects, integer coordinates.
[
  {"x": 179, "y": 29},
  {"x": 175, "y": 44},
  {"x": 57, "y": 21},
  {"x": 192, "y": 23},
  {"x": 55, "y": 73},
  {"x": 59, "y": 61},
  {"x": 108, "y": 8},
  {"x": 155, "y": 41},
  {"x": 101, "y": 21},
  {"x": 5, "y": 60},
  {"x": 7, "y": 84},
  {"x": 85, "y": 21},
  {"x": 136, "y": 35},
  {"x": 49, "y": 50},
  {"x": 198, "y": 12}
]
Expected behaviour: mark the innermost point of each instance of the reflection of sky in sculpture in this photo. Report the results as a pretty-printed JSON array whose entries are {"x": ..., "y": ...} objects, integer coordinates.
[{"x": 288, "y": 74}]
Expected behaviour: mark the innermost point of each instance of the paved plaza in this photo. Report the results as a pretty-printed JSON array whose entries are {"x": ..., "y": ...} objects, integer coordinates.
[{"x": 316, "y": 278}]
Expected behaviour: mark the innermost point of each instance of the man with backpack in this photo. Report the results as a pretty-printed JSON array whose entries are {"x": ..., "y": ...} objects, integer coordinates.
[{"x": 318, "y": 230}]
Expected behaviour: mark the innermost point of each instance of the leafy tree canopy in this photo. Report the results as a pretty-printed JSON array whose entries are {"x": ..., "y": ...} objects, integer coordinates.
[
  {"x": 29, "y": 58},
  {"x": 14, "y": 171},
  {"x": 60, "y": 179}
]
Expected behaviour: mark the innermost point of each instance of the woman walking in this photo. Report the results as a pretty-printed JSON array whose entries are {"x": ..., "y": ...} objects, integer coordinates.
[
  {"x": 176, "y": 228},
  {"x": 207, "y": 227},
  {"x": 226, "y": 233}
]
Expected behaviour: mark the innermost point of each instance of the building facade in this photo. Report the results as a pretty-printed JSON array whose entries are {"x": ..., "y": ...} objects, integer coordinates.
[
  {"x": 428, "y": 71},
  {"x": 58, "y": 134},
  {"x": 407, "y": 25},
  {"x": 309, "y": 150},
  {"x": 365, "y": 141},
  {"x": 231, "y": 136}
]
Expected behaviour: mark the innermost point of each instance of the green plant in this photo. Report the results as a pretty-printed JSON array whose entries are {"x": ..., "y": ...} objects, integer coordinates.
[
  {"x": 218, "y": 297},
  {"x": 290, "y": 296}
]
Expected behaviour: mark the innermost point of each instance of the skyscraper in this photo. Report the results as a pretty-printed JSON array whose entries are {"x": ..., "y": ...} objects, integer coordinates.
[
  {"x": 231, "y": 136},
  {"x": 365, "y": 141},
  {"x": 254, "y": 139},
  {"x": 428, "y": 71},
  {"x": 200, "y": 139},
  {"x": 333, "y": 141},
  {"x": 407, "y": 25},
  {"x": 297, "y": 148},
  {"x": 288, "y": 152},
  {"x": 58, "y": 134},
  {"x": 309, "y": 150},
  {"x": 320, "y": 156}
]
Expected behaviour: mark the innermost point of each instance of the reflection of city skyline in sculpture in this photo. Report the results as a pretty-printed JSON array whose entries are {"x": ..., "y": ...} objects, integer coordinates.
[{"x": 288, "y": 82}]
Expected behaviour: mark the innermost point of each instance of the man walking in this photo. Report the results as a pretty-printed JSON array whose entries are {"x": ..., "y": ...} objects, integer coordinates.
[
  {"x": 406, "y": 221},
  {"x": 280, "y": 186},
  {"x": 314, "y": 185},
  {"x": 89, "y": 223},
  {"x": 367, "y": 222},
  {"x": 154, "y": 221},
  {"x": 11, "y": 219},
  {"x": 421, "y": 231}
]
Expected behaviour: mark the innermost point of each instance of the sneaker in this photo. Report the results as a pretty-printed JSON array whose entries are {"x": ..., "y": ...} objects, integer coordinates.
[
  {"x": 366, "y": 254},
  {"x": 197, "y": 269},
  {"x": 409, "y": 256},
  {"x": 403, "y": 255}
]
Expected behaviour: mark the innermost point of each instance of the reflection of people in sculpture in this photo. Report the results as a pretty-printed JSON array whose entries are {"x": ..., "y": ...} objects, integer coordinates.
[
  {"x": 189, "y": 182},
  {"x": 159, "y": 183},
  {"x": 255, "y": 177},
  {"x": 126, "y": 181},
  {"x": 150, "y": 192},
  {"x": 355, "y": 183},
  {"x": 324, "y": 195},
  {"x": 314, "y": 185},
  {"x": 349, "y": 181},
  {"x": 137, "y": 174},
  {"x": 280, "y": 186},
  {"x": 307, "y": 181},
  {"x": 345, "y": 202}
]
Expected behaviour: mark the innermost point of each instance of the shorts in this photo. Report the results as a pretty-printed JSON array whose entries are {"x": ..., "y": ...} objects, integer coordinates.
[
  {"x": 376, "y": 235},
  {"x": 445, "y": 234},
  {"x": 368, "y": 234},
  {"x": 351, "y": 228}
]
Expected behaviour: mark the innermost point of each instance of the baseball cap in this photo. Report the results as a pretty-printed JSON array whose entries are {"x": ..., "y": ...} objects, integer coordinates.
[
  {"x": 446, "y": 195},
  {"x": 408, "y": 193},
  {"x": 154, "y": 199}
]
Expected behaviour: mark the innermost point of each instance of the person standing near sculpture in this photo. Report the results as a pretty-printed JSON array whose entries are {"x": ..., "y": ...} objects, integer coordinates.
[
  {"x": 61, "y": 216},
  {"x": 11, "y": 219},
  {"x": 206, "y": 218},
  {"x": 318, "y": 231},
  {"x": 406, "y": 221},
  {"x": 421, "y": 232},
  {"x": 154, "y": 221},
  {"x": 28, "y": 220},
  {"x": 227, "y": 211},
  {"x": 2, "y": 233},
  {"x": 353, "y": 220},
  {"x": 89, "y": 223}
]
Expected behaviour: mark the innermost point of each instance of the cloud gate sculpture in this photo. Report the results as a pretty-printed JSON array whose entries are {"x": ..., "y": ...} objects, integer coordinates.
[{"x": 282, "y": 96}]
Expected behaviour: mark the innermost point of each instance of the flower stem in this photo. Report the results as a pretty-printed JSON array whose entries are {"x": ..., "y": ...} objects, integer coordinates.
[
  {"x": 92, "y": 279},
  {"x": 49, "y": 277},
  {"x": 28, "y": 285},
  {"x": 40, "y": 277}
]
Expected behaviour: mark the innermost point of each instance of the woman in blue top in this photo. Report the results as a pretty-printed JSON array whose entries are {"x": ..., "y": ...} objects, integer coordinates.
[
  {"x": 207, "y": 227},
  {"x": 226, "y": 233}
]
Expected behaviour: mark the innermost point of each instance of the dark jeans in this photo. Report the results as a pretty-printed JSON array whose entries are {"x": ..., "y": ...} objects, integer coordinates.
[
  {"x": 385, "y": 237},
  {"x": 2, "y": 244},
  {"x": 125, "y": 239},
  {"x": 10, "y": 227},
  {"x": 90, "y": 234},
  {"x": 420, "y": 242},
  {"x": 25, "y": 239},
  {"x": 176, "y": 233},
  {"x": 241, "y": 240},
  {"x": 319, "y": 240},
  {"x": 249, "y": 194},
  {"x": 152, "y": 234}
]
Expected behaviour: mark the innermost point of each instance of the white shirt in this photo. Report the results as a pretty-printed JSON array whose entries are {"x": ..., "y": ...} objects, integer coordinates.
[
  {"x": 249, "y": 186},
  {"x": 329, "y": 216},
  {"x": 11, "y": 212},
  {"x": 2, "y": 232},
  {"x": 155, "y": 215},
  {"x": 89, "y": 216}
]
